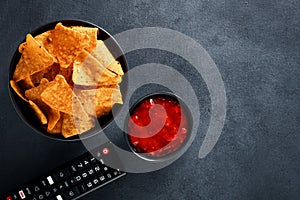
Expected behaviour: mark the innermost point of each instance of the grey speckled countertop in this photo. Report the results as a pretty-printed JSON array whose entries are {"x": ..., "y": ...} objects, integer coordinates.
[{"x": 256, "y": 46}]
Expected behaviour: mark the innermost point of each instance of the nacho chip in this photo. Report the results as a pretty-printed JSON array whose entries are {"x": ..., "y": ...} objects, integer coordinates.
[
  {"x": 88, "y": 71},
  {"x": 44, "y": 39},
  {"x": 73, "y": 126},
  {"x": 67, "y": 73},
  {"x": 34, "y": 94},
  {"x": 99, "y": 102},
  {"x": 34, "y": 58},
  {"x": 104, "y": 56},
  {"x": 42, "y": 118},
  {"x": 91, "y": 32},
  {"x": 53, "y": 118},
  {"x": 67, "y": 44},
  {"x": 18, "y": 91},
  {"x": 57, "y": 128},
  {"x": 59, "y": 96},
  {"x": 26, "y": 83}
]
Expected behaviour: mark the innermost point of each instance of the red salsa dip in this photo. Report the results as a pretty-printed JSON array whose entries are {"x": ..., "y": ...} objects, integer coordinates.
[{"x": 158, "y": 126}]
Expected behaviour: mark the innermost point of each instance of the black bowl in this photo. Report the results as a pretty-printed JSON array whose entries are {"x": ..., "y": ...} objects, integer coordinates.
[
  {"x": 180, "y": 150},
  {"x": 26, "y": 113}
]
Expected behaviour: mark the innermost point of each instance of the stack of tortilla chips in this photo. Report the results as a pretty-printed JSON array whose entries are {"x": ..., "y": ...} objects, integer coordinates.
[{"x": 68, "y": 77}]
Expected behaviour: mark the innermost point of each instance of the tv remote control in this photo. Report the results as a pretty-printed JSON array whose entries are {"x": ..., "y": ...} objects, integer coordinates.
[{"x": 73, "y": 179}]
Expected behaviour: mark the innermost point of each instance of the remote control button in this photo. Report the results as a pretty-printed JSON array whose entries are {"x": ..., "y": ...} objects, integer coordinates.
[
  {"x": 97, "y": 168},
  {"x": 22, "y": 195},
  {"x": 96, "y": 181},
  {"x": 9, "y": 198},
  {"x": 61, "y": 187},
  {"x": 79, "y": 166},
  {"x": 60, "y": 175},
  {"x": 40, "y": 197},
  {"x": 71, "y": 194},
  {"x": 47, "y": 193},
  {"x": 91, "y": 172},
  {"x": 86, "y": 162},
  {"x": 102, "y": 178},
  {"x": 92, "y": 159},
  {"x": 54, "y": 189},
  {"x": 73, "y": 169},
  {"x": 15, "y": 197},
  {"x": 58, "y": 197},
  {"x": 50, "y": 180},
  {"x": 105, "y": 151},
  {"x": 28, "y": 191},
  {"x": 82, "y": 188},
  {"x": 78, "y": 178},
  {"x": 36, "y": 188},
  {"x": 84, "y": 175},
  {"x": 89, "y": 184},
  {"x": 43, "y": 183},
  {"x": 109, "y": 176}
]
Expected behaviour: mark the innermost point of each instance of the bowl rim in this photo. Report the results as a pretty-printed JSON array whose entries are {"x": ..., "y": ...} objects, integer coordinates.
[
  {"x": 174, "y": 154},
  {"x": 16, "y": 101}
]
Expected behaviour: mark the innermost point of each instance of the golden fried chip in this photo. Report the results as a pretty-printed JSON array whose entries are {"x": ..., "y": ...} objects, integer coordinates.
[
  {"x": 67, "y": 73},
  {"x": 53, "y": 118},
  {"x": 88, "y": 71},
  {"x": 26, "y": 83},
  {"x": 36, "y": 77},
  {"x": 44, "y": 39},
  {"x": 98, "y": 102},
  {"x": 42, "y": 118},
  {"x": 59, "y": 96},
  {"x": 57, "y": 128},
  {"x": 104, "y": 56},
  {"x": 73, "y": 126},
  {"x": 34, "y": 58},
  {"x": 34, "y": 94},
  {"x": 67, "y": 44},
  {"x": 91, "y": 32},
  {"x": 18, "y": 91}
]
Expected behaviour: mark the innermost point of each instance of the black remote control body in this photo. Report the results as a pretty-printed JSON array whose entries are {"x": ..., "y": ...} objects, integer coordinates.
[{"x": 75, "y": 178}]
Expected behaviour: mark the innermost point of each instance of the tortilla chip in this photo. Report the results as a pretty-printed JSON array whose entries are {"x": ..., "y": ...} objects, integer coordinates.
[
  {"x": 99, "y": 102},
  {"x": 53, "y": 118},
  {"x": 18, "y": 91},
  {"x": 59, "y": 96},
  {"x": 73, "y": 126},
  {"x": 88, "y": 71},
  {"x": 67, "y": 44},
  {"x": 34, "y": 58},
  {"x": 57, "y": 128},
  {"x": 45, "y": 40},
  {"x": 34, "y": 94},
  {"x": 91, "y": 32},
  {"x": 26, "y": 83},
  {"x": 67, "y": 73},
  {"x": 42, "y": 118},
  {"x": 104, "y": 56}
]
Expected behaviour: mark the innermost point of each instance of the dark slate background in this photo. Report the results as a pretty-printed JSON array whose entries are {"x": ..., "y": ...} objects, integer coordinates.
[{"x": 255, "y": 44}]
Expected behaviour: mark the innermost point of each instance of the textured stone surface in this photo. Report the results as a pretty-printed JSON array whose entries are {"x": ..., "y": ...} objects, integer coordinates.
[{"x": 256, "y": 46}]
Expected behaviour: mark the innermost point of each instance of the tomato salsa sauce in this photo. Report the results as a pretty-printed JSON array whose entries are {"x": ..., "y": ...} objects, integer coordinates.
[{"x": 158, "y": 126}]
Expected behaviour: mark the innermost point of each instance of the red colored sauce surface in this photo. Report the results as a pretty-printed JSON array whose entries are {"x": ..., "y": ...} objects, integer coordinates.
[{"x": 158, "y": 126}]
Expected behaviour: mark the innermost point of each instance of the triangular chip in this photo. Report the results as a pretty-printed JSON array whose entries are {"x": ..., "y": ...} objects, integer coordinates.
[
  {"x": 45, "y": 40},
  {"x": 88, "y": 71},
  {"x": 17, "y": 90},
  {"x": 41, "y": 116},
  {"x": 73, "y": 126},
  {"x": 91, "y": 32},
  {"x": 59, "y": 96},
  {"x": 53, "y": 118},
  {"x": 26, "y": 83},
  {"x": 58, "y": 126},
  {"x": 34, "y": 94},
  {"x": 68, "y": 44},
  {"x": 98, "y": 102},
  {"x": 34, "y": 58},
  {"x": 104, "y": 56}
]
